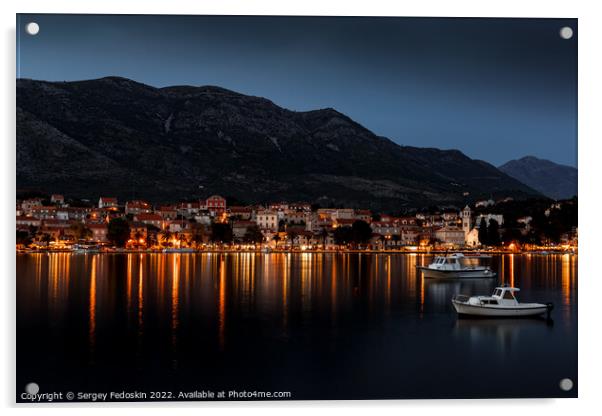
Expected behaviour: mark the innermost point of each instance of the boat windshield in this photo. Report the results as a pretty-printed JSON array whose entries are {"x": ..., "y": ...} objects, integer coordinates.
[
  {"x": 497, "y": 292},
  {"x": 508, "y": 295}
]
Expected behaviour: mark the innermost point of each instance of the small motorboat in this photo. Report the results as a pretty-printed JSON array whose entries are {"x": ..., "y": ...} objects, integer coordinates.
[
  {"x": 454, "y": 266},
  {"x": 84, "y": 249},
  {"x": 178, "y": 250},
  {"x": 502, "y": 303}
]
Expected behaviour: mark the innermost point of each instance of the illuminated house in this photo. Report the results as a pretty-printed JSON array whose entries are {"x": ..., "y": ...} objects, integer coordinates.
[
  {"x": 363, "y": 215},
  {"x": 99, "y": 232},
  {"x": 43, "y": 212},
  {"x": 107, "y": 202},
  {"x": 150, "y": 219},
  {"x": 267, "y": 220},
  {"x": 137, "y": 207},
  {"x": 167, "y": 212},
  {"x": 216, "y": 204},
  {"x": 450, "y": 235},
  {"x": 241, "y": 213},
  {"x": 28, "y": 204},
  {"x": 24, "y": 221},
  {"x": 57, "y": 199}
]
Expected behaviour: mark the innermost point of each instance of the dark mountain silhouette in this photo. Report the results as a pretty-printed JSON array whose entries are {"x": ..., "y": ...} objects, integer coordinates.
[
  {"x": 114, "y": 136},
  {"x": 551, "y": 179}
]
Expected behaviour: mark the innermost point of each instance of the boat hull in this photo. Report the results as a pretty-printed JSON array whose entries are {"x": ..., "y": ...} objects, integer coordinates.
[
  {"x": 466, "y": 309},
  {"x": 456, "y": 274}
]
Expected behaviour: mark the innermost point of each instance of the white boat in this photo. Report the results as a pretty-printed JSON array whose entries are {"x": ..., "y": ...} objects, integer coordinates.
[
  {"x": 178, "y": 250},
  {"x": 502, "y": 303},
  {"x": 454, "y": 266},
  {"x": 84, "y": 249}
]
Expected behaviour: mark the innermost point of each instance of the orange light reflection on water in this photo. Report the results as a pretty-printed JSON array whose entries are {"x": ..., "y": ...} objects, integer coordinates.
[
  {"x": 92, "y": 306},
  {"x": 222, "y": 302}
]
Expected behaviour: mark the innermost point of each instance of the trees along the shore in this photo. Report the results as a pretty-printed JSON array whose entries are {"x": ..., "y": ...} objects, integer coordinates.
[
  {"x": 198, "y": 234},
  {"x": 362, "y": 232},
  {"x": 483, "y": 237},
  {"x": 493, "y": 233},
  {"x": 166, "y": 237},
  {"x": 221, "y": 233},
  {"x": 80, "y": 231},
  {"x": 343, "y": 235},
  {"x": 292, "y": 234},
  {"x": 118, "y": 231},
  {"x": 253, "y": 235}
]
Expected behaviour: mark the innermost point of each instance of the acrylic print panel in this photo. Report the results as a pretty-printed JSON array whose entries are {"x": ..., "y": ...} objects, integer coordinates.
[{"x": 277, "y": 208}]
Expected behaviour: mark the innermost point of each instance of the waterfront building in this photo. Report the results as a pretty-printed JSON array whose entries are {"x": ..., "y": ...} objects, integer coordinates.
[
  {"x": 294, "y": 217},
  {"x": 43, "y": 212},
  {"x": 167, "y": 212},
  {"x": 137, "y": 207},
  {"x": 385, "y": 228},
  {"x": 155, "y": 220},
  {"x": 99, "y": 232},
  {"x": 26, "y": 221},
  {"x": 267, "y": 220},
  {"x": 453, "y": 236},
  {"x": 240, "y": 213},
  {"x": 178, "y": 226},
  {"x": 215, "y": 204},
  {"x": 192, "y": 208}
]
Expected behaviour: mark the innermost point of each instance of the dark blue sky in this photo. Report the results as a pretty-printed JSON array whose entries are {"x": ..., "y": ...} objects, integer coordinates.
[{"x": 497, "y": 89}]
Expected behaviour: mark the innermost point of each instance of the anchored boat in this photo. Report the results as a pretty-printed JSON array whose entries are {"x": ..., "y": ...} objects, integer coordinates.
[
  {"x": 178, "y": 250},
  {"x": 454, "y": 266},
  {"x": 502, "y": 303}
]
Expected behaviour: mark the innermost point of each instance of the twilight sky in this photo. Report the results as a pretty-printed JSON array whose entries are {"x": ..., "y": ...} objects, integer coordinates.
[{"x": 497, "y": 89}]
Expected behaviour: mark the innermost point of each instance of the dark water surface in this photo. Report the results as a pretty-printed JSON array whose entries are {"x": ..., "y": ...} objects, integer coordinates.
[{"x": 322, "y": 326}]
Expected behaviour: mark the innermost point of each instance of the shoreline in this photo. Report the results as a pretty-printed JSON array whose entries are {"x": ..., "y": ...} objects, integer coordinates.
[{"x": 470, "y": 253}]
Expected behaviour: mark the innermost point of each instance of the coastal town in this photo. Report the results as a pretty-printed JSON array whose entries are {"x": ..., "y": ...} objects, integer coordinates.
[{"x": 55, "y": 223}]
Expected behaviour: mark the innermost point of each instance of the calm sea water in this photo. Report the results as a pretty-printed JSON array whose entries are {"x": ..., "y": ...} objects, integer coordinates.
[{"x": 321, "y": 326}]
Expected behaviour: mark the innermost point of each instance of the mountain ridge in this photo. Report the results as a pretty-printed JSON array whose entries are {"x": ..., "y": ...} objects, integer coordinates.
[
  {"x": 117, "y": 136},
  {"x": 552, "y": 179}
]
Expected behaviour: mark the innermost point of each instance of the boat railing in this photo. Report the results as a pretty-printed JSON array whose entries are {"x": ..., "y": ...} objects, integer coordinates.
[{"x": 461, "y": 298}]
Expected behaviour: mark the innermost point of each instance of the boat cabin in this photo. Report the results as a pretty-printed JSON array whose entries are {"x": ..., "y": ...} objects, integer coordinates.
[
  {"x": 503, "y": 295},
  {"x": 452, "y": 262}
]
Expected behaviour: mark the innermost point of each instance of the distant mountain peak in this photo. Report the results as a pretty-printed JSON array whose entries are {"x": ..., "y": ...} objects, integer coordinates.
[{"x": 551, "y": 179}]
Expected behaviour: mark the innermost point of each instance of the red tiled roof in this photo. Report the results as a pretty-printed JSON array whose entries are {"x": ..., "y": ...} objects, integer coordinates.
[
  {"x": 26, "y": 218},
  {"x": 96, "y": 226},
  {"x": 149, "y": 217},
  {"x": 240, "y": 209},
  {"x": 137, "y": 204}
]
